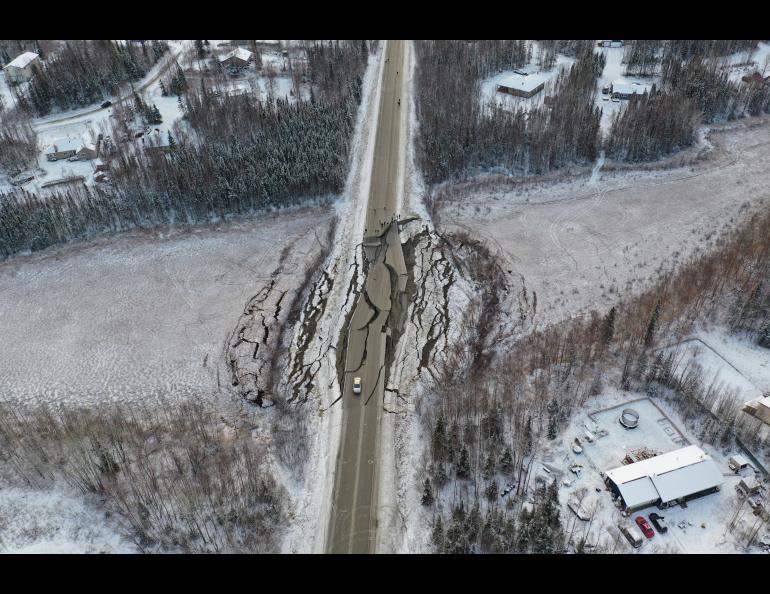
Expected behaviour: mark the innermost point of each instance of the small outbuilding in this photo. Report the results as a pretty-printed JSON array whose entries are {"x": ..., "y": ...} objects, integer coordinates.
[
  {"x": 665, "y": 480},
  {"x": 749, "y": 485},
  {"x": 737, "y": 462},
  {"x": 22, "y": 67}
]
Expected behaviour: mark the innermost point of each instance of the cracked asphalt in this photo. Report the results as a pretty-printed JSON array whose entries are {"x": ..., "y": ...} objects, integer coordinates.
[{"x": 353, "y": 522}]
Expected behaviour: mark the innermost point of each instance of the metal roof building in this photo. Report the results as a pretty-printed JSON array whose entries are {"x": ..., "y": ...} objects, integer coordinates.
[
  {"x": 524, "y": 85},
  {"x": 623, "y": 89},
  {"x": 666, "y": 479}
]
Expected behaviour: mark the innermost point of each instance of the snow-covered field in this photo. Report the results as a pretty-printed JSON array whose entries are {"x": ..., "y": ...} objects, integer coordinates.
[
  {"x": 582, "y": 244},
  {"x": 131, "y": 317}
]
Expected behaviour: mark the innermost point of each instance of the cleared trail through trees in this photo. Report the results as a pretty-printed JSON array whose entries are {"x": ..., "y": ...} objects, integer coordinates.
[{"x": 353, "y": 521}]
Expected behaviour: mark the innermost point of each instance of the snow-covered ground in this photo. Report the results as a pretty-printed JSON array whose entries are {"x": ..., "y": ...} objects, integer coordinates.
[
  {"x": 55, "y": 521},
  {"x": 130, "y": 317},
  {"x": 734, "y": 365},
  {"x": 730, "y": 360},
  {"x": 581, "y": 245},
  {"x": 759, "y": 58},
  {"x": 706, "y": 519}
]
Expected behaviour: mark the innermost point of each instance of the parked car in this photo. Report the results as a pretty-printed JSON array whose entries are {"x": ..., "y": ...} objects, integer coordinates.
[
  {"x": 659, "y": 523},
  {"x": 645, "y": 526},
  {"x": 606, "y": 90},
  {"x": 106, "y": 104},
  {"x": 356, "y": 385}
]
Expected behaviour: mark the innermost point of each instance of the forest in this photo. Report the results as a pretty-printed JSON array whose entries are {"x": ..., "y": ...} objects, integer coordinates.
[
  {"x": 242, "y": 155},
  {"x": 170, "y": 477}
]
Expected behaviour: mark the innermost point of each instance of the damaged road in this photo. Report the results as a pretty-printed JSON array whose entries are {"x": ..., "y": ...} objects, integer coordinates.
[{"x": 353, "y": 521}]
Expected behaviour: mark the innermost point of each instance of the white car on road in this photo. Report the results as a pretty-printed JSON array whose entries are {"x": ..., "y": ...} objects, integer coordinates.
[{"x": 356, "y": 385}]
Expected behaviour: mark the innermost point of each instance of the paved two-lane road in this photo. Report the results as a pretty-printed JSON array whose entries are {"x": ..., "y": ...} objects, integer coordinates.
[{"x": 353, "y": 522}]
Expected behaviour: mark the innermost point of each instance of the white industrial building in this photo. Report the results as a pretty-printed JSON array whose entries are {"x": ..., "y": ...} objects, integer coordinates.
[
  {"x": 21, "y": 68},
  {"x": 665, "y": 480}
]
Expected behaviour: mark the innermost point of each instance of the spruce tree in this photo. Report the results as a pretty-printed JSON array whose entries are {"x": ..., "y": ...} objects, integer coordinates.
[
  {"x": 652, "y": 326},
  {"x": 427, "y": 493},
  {"x": 609, "y": 327},
  {"x": 440, "y": 439},
  {"x": 506, "y": 462},
  {"x": 489, "y": 467},
  {"x": 437, "y": 536},
  {"x": 464, "y": 466},
  {"x": 492, "y": 491}
]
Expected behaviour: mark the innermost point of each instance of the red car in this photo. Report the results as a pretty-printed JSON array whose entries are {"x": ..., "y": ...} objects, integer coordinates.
[{"x": 645, "y": 526}]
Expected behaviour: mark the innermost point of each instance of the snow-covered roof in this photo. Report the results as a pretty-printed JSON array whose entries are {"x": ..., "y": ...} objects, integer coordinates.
[
  {"x": 638, "y": 492},
  {"x": 764, "y": 401},
  {"x": 87, "y": 142},
  {"x": 625, "y": 87},
  {"x": 668, "y": 476},
  {"x": 657, "y": 464},
  {"x": 23, "y": 60},
  {"x": 240, "y": 53},
  {"x": 64, "y": 144},
  {"x": 526, "y": 83},
  {"x": 688, "y": 480}
]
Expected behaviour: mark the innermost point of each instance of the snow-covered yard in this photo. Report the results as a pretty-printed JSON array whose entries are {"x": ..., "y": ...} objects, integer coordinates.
[
  {"x": 613, "y": 70},
  {"x": 491, "y": 96},
  {"x": 706, "y": 520}
]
